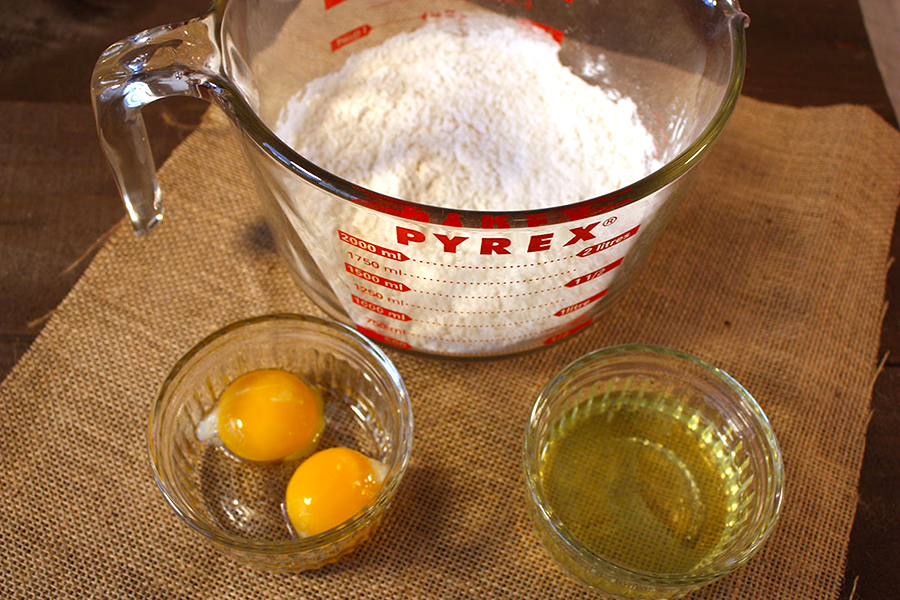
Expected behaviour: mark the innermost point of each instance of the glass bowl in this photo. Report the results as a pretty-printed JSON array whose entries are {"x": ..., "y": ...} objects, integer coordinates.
[
  {"x": 238, "y": 505},
  {"x": 650, "y": 472}
]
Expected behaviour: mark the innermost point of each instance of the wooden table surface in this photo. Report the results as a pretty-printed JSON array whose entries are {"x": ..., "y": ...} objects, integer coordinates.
[{"x": 57, "y": 197}]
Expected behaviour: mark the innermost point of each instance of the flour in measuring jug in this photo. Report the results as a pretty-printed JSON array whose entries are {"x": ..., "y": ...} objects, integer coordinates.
[
  {"x": 468, "y": 114},
  {"x": 474, "y": 113}
]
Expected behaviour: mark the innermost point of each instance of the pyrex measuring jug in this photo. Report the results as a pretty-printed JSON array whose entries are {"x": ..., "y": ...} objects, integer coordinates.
[{"x": 423, "y": 278}]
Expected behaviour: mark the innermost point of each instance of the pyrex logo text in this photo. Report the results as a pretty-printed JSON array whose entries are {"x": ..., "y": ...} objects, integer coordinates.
[{"x": 501, "y": 245}]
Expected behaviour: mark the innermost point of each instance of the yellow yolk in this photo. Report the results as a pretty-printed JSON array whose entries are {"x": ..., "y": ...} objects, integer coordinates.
[
  {"x": 330, "y": 487},
  {"x": 270, "y": 415}
]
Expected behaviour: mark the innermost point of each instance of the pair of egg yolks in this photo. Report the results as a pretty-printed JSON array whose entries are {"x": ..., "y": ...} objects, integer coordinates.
[{"x": 270, "y": 415}]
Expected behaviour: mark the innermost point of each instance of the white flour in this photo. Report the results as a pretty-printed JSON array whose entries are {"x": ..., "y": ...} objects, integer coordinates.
[
  {"x": 496, "y": 123},
  {"x": 474, "y": 114}
]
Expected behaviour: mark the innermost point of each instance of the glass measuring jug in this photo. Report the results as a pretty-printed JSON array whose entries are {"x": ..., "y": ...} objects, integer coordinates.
[{"x": 424, "y": 278}]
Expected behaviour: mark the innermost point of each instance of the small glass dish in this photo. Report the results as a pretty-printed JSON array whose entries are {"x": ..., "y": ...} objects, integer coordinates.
[
  {"x": 238, "y": 505},
  {"x": 649, "y": 472}
]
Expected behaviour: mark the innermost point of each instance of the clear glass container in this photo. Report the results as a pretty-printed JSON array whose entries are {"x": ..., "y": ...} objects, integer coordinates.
[
  {"x": 650, "y": 472},
  {"x": 237, "y": 505},
  {"x": 518, "y": 280}
]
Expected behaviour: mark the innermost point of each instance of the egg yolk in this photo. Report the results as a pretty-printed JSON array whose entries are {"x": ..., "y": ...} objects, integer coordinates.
[
  {"x": 270, "y": 415},
  {"x": 330, "y": 487}
]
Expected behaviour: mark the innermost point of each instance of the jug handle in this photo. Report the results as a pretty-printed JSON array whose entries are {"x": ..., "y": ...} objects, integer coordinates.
[{"x": 180, "y": 59}]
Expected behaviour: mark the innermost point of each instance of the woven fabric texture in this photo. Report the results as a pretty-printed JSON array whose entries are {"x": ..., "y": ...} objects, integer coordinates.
[{"x": 772, "y": 268}]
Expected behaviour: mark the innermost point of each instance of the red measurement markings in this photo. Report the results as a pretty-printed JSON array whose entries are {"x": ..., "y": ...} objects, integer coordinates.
[
  {"x": 370, "y": 247},
  {"x": 570, "y": 331},
  {"x": 488, "y": 267},
  {"x": 448, "y": 13},
  {"x": 594, "y": 274},
  {"x": 494, "y": 297},
  {"x": 382, "y": 338},
  {"x": 555, "y": 33},
  {"x": 570, "y": 309},
  {"x": 503, "y": 283},
  {"x": 608, "y": 243},
  {"x": 376, "y": 279},
  {"x": 377, "y": 25},
  {"x": 351, "y": 36},
  {"x": 332, "y": 3},
  {"x": 386, "y": 312},
  {"x": 478, "y": 312}
]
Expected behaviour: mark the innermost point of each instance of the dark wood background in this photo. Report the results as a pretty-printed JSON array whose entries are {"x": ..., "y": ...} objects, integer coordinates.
[{"x": 58, "y": 199}]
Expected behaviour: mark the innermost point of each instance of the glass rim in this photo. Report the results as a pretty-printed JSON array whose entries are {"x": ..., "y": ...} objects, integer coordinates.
[
  {"x": 294, "y": 546},
  {"x": 748, "y": 407},
  {"x": 232, "y": 101}
]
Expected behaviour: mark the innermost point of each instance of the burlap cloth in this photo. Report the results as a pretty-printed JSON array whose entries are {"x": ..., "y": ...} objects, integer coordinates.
[{"x": 773, "y": 268}]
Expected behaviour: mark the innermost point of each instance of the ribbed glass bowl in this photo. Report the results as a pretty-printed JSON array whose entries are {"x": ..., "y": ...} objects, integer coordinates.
[
  {"x": 238, "y": 506},
  {"x": 677, "y": 481}
]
